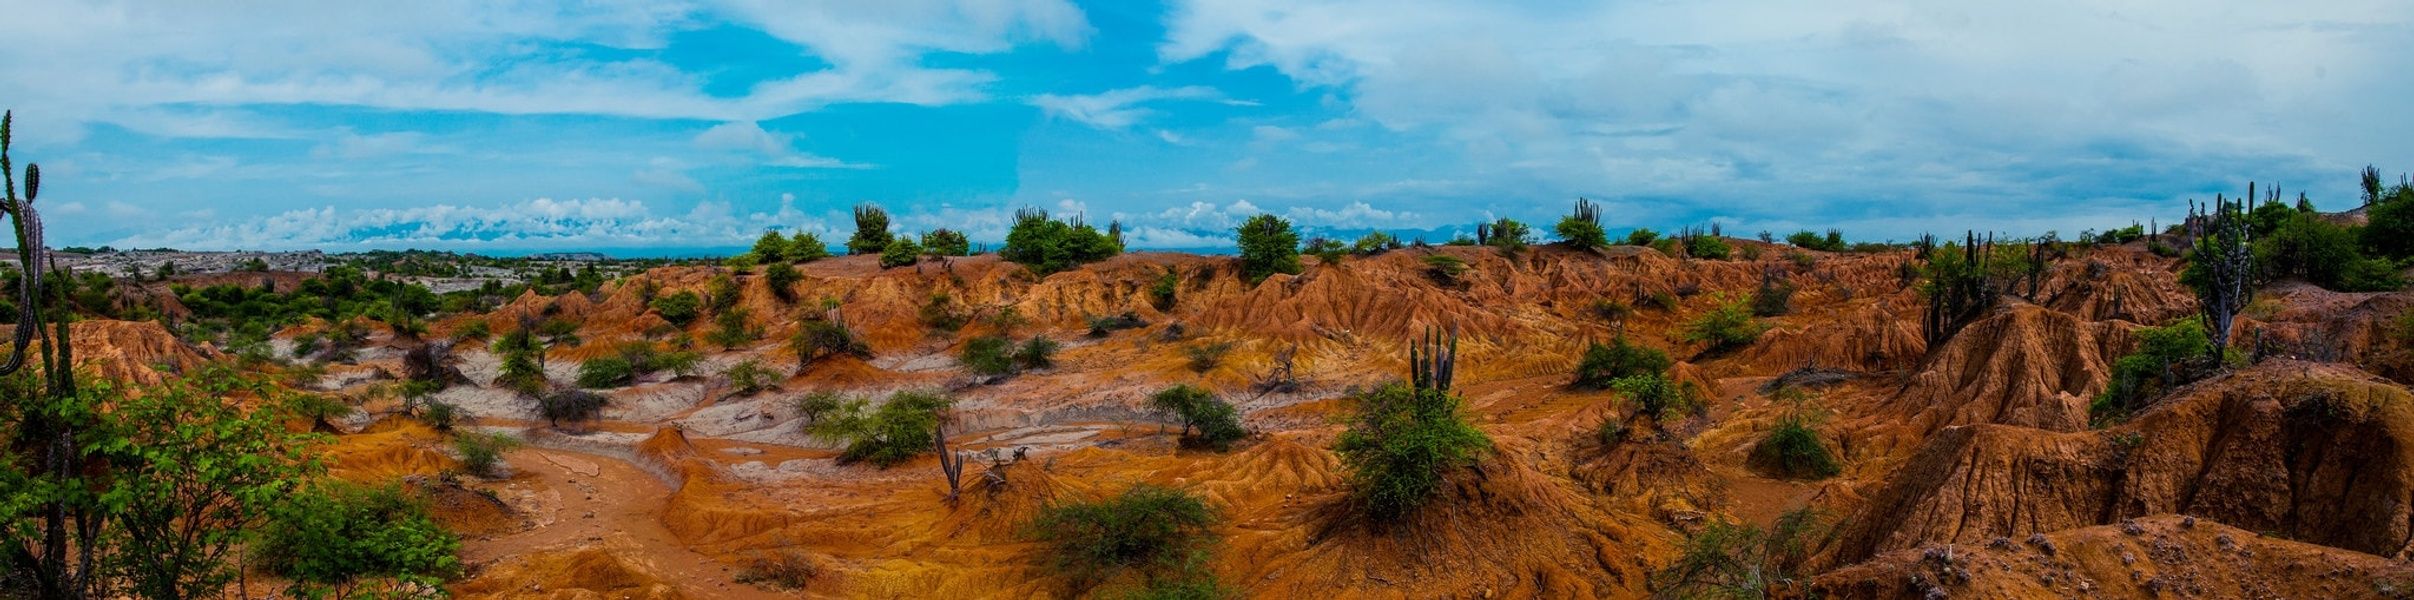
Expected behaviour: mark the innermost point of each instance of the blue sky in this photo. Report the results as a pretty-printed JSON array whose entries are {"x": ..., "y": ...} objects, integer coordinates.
[{"x": 503, "y": 126}]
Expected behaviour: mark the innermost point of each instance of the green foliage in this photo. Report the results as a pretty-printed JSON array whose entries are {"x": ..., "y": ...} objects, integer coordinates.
[
  {"x": 1729, "y": 560},
  {"x": 1582, "y": 227},
  {"x": 1708, "y": 247},
  {"x": 1036, "y": 353},
  {"x": 1206, "y": 356},
  {"x": 805, "y": 247},
  {"x": 340, "y": 293},
  {"x": 680, "y": 308},
  {"x": 821, "y": 406},
  {"x": 1792, "y": 448},
  {"x": 749, "y": 376},
  {"x": 942, "y": 313},
  {"x": 1162, "y": 290},
  {"x": 1642, "y": 236},
  {"x": 481, "y": 452},
  {"x": 1268, "y": 245},
  {"x": 523, "y": 368},
  {"x": 782, "y": 279},
  {"x": 606, "y": 372},
  {"x": 342, "y": 540},
  {"x": 991, "y": 355},
  {"x": 770, "y": 249},
  {"x": 1611, "y": 432},
  {"x": 575, "y": 406},
  {"x": 819, "y": 339},
  {"x": 1048, "y": 246},
  {"x": 946, "y": 242},
  {"x": 1102, "y": 326},
  {"x": 901, "y": 252},
  {"x": 1726, "y": 327},
  {"x": 1446, "y": 269},
  {"x": 1832, "y": 242},
  {"x": 439, "y": 416},
  {"x": 2389, "y": 226},
  {"x": 899, "y": 429},
  {"x": 1207, "y": 421},
  {"x": 1375, "y": 242},
  {"x": 721, "y": 292},
  {"x": 1659, "y": 396},
  {"x": 1327, "y": 250},
  {"x": 2166, "y": 357},
  {"x": 731, "y": 331},
  {"x": 871, "y": 231},
  {"x": 1774, "y": 297},
  {"x": 1401, "y": 443},
  {"x": 2304, "y": 246},
  {"x": 1604, "y": 364},
  {"x": 1151, "y": 529}
]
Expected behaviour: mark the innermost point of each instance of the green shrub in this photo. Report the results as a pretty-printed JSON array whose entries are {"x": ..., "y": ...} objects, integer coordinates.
[
  {"x": 1401, "y": 443},
  {"x": 990, "y": 355},
  {"x": 749, "y": 376},
  {"x": 340, "y": 536},
  {"x": 1267, "y": 246},
  {"x": 1207, "y": 421},
  {"x": 1375, "y": 242},
  {"x": 481, "y": 452},
  {"x": 901, "y": 252},
  {"x": 721, "y": 292},
  {"x": 946, "y": 242},
  {"x": 1504, "y": 233},
  {"x": 806, "y": 247},
  {"x": 871, "y": 231},
  {"x": 605, "y": 372},
  {"x": 1161, "y": 290},
  {"x": 1728, "y": 326},
  {"x": 1729, "y": 560},
  {"x": 1659, "y": 396},
  {"x": 1775, "y": 297},
  {"x": 819, "y": 339},
  {"x": 1446, "y": 269},
  {"x": 1102, "y": 326},
  {"x": 2304, "y": 246},
  {"x": 1048, "y": 246},
  {"x": 1327, "y": 250},
  {"x": 942, "y": 314},
  {"x": 575, "y": 406},
  {"x": 2389, "y": 226},
  {"x": 1792, "y": 449},
  {"x": 1582, "y": 227},
  {"x": 682, "y": 363},
  {"x": 680, "y": 308},
  {"x": 1611, "y": 431},
  {"x": 770, "y": 249},
  {"x": 1832, "y": 242},
  {"x": 821, "y": 406},
  {"x": 1147, "y": 528},
  {"x": 1036, "y": 353},
  {"x": 1206, "y": 356},
  {"x": 904, "y": 426},
  {"x": 782, "y": 279},
  {"x": 730, "y": 330},
  {"x": 1708, "y": 247},
  {"x": 439, "y": 416},
  {"x": 1642, "y": 236},
  {"x": 1604, "y": 364},
  {"x": 2166, "y": 357}
]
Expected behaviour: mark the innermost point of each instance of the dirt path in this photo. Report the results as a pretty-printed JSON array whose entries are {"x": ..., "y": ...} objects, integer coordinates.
[{"x": 586, "y": 500}]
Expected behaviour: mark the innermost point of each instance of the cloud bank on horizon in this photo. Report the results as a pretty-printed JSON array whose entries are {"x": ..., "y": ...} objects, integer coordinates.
[{"x": 501, "y": 126}]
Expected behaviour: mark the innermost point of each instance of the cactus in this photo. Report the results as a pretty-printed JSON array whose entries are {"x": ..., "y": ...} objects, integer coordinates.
[
  {"x": 2224, "y": 260},
  {"x": 1433, "y": 360},
  {"x": 28, "y": 228},
  {"x": 951, "y": 464},
  {"x": 1586, "y": 211}
]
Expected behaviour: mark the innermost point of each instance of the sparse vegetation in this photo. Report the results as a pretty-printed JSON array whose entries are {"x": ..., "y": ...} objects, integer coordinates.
[
  {"x": 941, "y": 313},
  {"x": 1792, "y": 448},
  {"x": 1725, "y": 327},
  {"x": 1268, "y": 246},
  {"x": 680, "y": 308},
  {"x": 1206, "y": 356},
  {"x": 1730, "y": 560},
  {"x": 1658, "y": 396},
  {"x": 1160, "y": 532},
  {"x": 1048, "y": 246},
  {"x": 782, "y": 279},
  {"x": 1581, "y": 228},
  {"x": 481, "y": 452},
  {"x": 901, "y": 252},
  {"x": 1446, "y": 270},
  {"x": 730, "y": 329},
  {"x": 605, "y": 372},
  {"x": 1604, "y": 364},
  {"x": 1832, "y": 242},
  {"x": 991, "y": 355},
  {"x": 900, "y": 428},
  {"x": 749, "y": 376},
  {"x": 578, "y": 407},
  {"x": 946, "y": 242},
  {"x": 1774, "y": 297},
  {"x": 2166, "y": 357},
  {"x": 819, "y": 339},
  {"x": 1207, "y": 421}
]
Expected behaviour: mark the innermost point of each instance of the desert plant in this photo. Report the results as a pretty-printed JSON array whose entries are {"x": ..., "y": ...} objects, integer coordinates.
[
  {"x": 2166, "y": 357},
  {"x": 901, "y": 252},
  {"x": 1047, "y": 245},
  {"x": 1404, "y": 439},
  {"x": 575, "y": 406},
  {"x": 1725, "y": 327},
  {"x": 1147, "y": 528},
  {"x": 805, "y": 247},
  {"x": 871, "y": 231},
  {"x": 339, "y": 539},
  {"x": 1832, "y": 242},
  {"x": 1206, "y": 356},
  {"x": 606, "y": 372},
  {"x": 2389, "y": 225},
  {"x": 1729, "y": 560},
  {"x": 731, "y": 331},
  {"x": 680, "y": 308},
  {"x": 1774, "y": 297},
  {"x": 749, "y": 376},
  {"x": 820, "y": 406},
  {"x": 1375, "y": 242},
  {"x": 900, "y": 428},
  {"x": 2222, "y": 268},
  {"x": 1267, "y": 246},
  {"x": 1604, "y": 364},
  {"x": 991, "y": 355},
  {"x": 481, "y": 452},
  {"x": 1581, "y": 228},
  {"x": 1611, "y": 432},
  {"x": 1039, "y": 352},
  {"x": 1642, "y": 236},
  {"x": 1207, "y": 421},
  {"x": 819, "y": 339},
  {"x": 946, "y": 242},
  {"x": 1162, "y": 290},
  {"x": 439, "y": 416},
  {"x": 785, "y": 568},
  {"x": 770, "y": 249},
  {"x": 941, "y": 313},
  {"x": 1711, "y": 247},
  {"x": 1102, "y": 326},
  {"x": 782, "y": 279},
  {"x": 1659, "y": 396},
  {"x": 1325, "y": 249},
  {"x": 1446, "y": 270},
  {"x": 1792, "y": 448}
]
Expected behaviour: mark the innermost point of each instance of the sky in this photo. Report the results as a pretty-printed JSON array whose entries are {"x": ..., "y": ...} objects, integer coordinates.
[{"x": 502, "y": 126}]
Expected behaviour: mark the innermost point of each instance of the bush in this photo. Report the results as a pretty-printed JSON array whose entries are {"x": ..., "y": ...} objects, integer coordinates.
[
  {"x": 901, "y": 252},
  {"x": 749, "y": 376},
  {"x": 336, "y": 536},
  {"x": 1147, "y": 528},
  {"x": 770, "y": 249},
  {"x": 1792, "y": 449},
  {"x": 1582, "y": 227},
  {"x": 575, "y": 406},
  {"x": 782, "y": 279},
  {"x": 1446, "y": 269},
  {"x": 2166, "y": 357},
  {"x": 1207, "y": 421},
  {"x": 1326, "y": 250},
  {"x": 1611, "y": 431},
  {"x": 946, "y": 242},
  {"x": 1400, "y": 445},
  {"x": 821, "y": 339},
  {"x": 1267, "y": 246},
  {"x": 901, "y": 428},
  {"x": 1832, "y": 242},
  {"x": 1161, "y": 291},
  {"x": 2303, "y": 246},
  {"x": 730, "y": 330},
  {"x": 1375, "y": 242},
  {"x": 1726, "y": 327},
  {"x": 1708, "y": 247},
  {"x": 871, "y": 231},
  {"x": 2389, "y": 226},
  {"x": 482, "y": 451},
  {"x": 1658, "y": 396},
  {"x": 1728, "y": 560},
  {"x": 942, "y": 314},
  {"x": 1206, "y": 357},
  {"x": 1775, "y": 297},
  {"x": 605, "y": 372},
  {"x": 990, "y": 355},
  {"x": 721, "y": 292},
  {"x": 1049, "y": 246},
  {"x": 1104, "y": 326},
  {"x": 439, "y": 416},
  {"x": 806, "y": 247},
  {"x": 1642, "y": 236},
  {"x": 1504, "y": 233},
  {"x": 1604, "y": 364},
  {"x": 1036, "y": 353},
  {"x": 680, "y": 308},
  {"x": 821, "y": 406}
]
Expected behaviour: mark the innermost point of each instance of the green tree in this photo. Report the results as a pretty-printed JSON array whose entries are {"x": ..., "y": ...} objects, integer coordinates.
[
  {"x": 1604, "y": 364},
  {"x": 1268, "y": 246},
  {"x": 901, "y": 252},
  {"x": 904, "y": 426},
  {"x": 871, "y": 231},
  {"x": 1207, "y": 421},
  {"x": 2166, "y": 357},
  {"x": 1158, "y": 531},
  {"x": 1582, "y": 227},
  {"x": 605, "y": 372},
  {"x": 946, "y": 242},
  {"x": 680, "y": 308},
  {"x": 1726, "y": 327},
  {"x": 782, "y": 280},
  {"x": 346, "y": 540},
  {"x": 771, "y": 248},
  {"x": 818, "y": 339},
  {"x": 803, "y": 246},
  {"x": 2389, "y": 226},
  {"x": 1047, "y": 246},
  {"x": 1400, "y": 445}
]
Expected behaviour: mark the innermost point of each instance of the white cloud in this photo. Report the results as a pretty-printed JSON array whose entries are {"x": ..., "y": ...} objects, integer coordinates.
[
  {"x": 1117, "y": 109},
  {"x": 772, "y": 149}
]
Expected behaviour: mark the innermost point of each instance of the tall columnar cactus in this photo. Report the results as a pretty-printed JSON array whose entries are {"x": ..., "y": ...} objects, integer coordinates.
[
  {"x": 1433, "y": 360},
  {"x": 62, "y": 564},
  {"x": 951, "y": 464},
  {"x": 28, "y": 227},
  {"x": 1587, "y": 211},
  {"x": 2223, "y": 262},
  {"x": 1958, "y": 291}
]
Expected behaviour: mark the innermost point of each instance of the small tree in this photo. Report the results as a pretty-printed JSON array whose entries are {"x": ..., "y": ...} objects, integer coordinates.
[
  {"x": 1604, "y": 364},
  {"x": 2371, "y": 185},
  {"x": 1582, "y": 228},
  {"x": 1267, "y": 246},
  {"x": 731, "y": 331},
  {"x": 1729, "y": 560},
  {"x": 1048, "y": 245},
  {"x": 946, "y": 242},
  {"x": 749, "y": 376},
  {"x": 605, "y": 372},
  {"x": 1792, "y": 448},
  {"x": 901, "y": 252},
  {"x": 989, "y": 355},
  {"x": 2222, "y": 267},
  {"x": 782, "y": 279},
  {"x": 1207, "y": 421},
  {"x": 576, "y": 406},
  {"x": 1658, "y": 396},
  {"x": 481, "y": 452},
  {"x": 680, "y": 308},
  {"x": 803, "y": 246},
  {"x": 771, "y": 248},
  {"x": 820, "y": 339},
  {"x": 901, "y": 428},
  {"x": 871, "y": 231},
  {"x": 344, "y": 540}
]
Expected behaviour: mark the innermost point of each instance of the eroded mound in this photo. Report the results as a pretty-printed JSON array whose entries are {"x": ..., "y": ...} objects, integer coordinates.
[
  {"x": 569, "y": 575},
  {"x": 2318, "y": 453},
  {"x": 2165, "y": 555}
]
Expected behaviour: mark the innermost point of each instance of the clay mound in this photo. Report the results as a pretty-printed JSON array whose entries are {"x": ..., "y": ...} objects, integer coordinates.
[
  {"x": 2312, "y": 323},
  {"x": 2318, "y": 453},
  {"x": 465, "y": 511},
  {"x": 993, "y": 509},
  {"x": 2166, "y": 554},
  {"x": 2118, "y": 283},
  {"x": 391, "y": 447},
  {"x": 126, "y": 352},
  {"x": 1662, "y": 479},
  {"x": 572, "y": 575},
  {"x": 2021, "y": 365},
  {"x": 1870, "y": 335},
  {"x": 1267, "y": 472},
  {"x": 1501, "y": 528}
]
